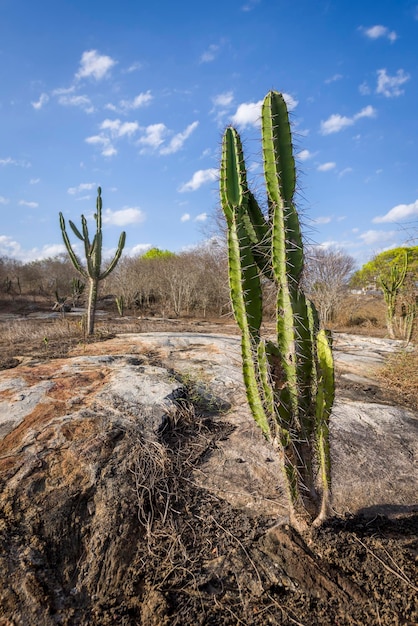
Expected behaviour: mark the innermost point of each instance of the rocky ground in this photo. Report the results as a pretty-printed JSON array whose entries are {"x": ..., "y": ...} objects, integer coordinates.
[{"x": 135, "y": 489}]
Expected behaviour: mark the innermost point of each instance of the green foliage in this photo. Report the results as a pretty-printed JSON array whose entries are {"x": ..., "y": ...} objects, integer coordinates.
[
  {"x": 289, "y": 381},
  {"x": 395, "y": 272},
  {"x": 156, "y": 253},
  {"x": 93, "y": 254},
  {"x": 380, "y": 266}
]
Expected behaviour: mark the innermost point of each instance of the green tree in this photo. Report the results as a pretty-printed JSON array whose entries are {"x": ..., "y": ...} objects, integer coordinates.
[{"x": 395, "y": 273}]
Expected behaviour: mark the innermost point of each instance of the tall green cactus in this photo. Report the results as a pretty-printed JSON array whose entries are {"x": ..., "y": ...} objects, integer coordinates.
[
  {"x": 390, "y": 286},
  {"x": 93, "y": 253},
  {"x": 289, "y": 381}
]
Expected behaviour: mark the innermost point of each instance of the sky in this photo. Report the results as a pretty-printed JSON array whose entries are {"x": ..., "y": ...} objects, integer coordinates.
[{"x": 134, "y": 96}]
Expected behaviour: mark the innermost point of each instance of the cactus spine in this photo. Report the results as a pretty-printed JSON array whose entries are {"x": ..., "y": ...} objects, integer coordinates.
[
  {"x": 93, "y": 253},
  {"x": 289, "y": 381}
]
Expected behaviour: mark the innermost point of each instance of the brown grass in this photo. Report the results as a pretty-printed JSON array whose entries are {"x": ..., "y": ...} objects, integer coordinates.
[{"x": 400, "y": 376}]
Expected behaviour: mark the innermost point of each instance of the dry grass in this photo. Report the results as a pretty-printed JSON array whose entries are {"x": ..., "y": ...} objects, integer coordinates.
[{"x": 400, "y": 376}]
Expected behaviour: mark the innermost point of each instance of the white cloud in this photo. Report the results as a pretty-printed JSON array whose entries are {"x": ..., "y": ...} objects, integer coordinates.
[
  {"x": 94, "y": 64},
  {"x": 364, "y": 89},
  {"x": 372, "y": 237},
  {"x": 80, "y": 188},
  {"x": 199, "y": 178},
  {"x": 223, "y": 99},
  {"x": 202, "y": 217},
  {"x": 140, "y": 248},
  {"x": 210, "y": 54},
  {"x": 304, "y": 155},
  {"x": 83, "y": 102},
  {"x": 43, "y": 99},
  {"x": 10, "y": 161},
  {"x": 107, "y": 148},
  {"x": 322, "y": 220},
  {"x": 398, "y": 213},
  {"x": 337, "y": 122},
  {"x": 379, "y": 31},
  {"x": 154, "y": 135},
  {"x": 141, "y": 100},
  {"x": 326, "y": 167},
  {"x": 250, "y": 5},
  {"x": 333, "y": 78},
  {"x": 178, "y": 140},
  {"x": 185, "y": 217},
  {"x": 12, "y": 249},
  {"x": 249, "y": 113},
  {"x": 4, "y": 200},
  {"x": 389, "y": 86},
  {"x": 133, "y": 67},
  {"x": 31, "y": 205},
  {"x": 346, "y": 170},
  {"x": 34, "y": 181},
  {"x": 128, "y": 215}
]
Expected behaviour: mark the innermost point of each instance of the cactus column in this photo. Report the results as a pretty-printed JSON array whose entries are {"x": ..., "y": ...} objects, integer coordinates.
[
  {"x": 93, "y": 253},
  {"x": 289, "y": 381}
]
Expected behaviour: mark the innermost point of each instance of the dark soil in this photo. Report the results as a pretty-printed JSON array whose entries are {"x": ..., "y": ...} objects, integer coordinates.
[{"x": 157, "y": 550}]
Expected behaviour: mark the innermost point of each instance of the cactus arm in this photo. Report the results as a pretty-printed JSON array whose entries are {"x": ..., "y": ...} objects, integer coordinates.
[
  {"x": 75, "y": 230},
  {"x": 121, "y": 245},
  {"x": 73, "y": 257},
  {"x": 324, "y": 402}
]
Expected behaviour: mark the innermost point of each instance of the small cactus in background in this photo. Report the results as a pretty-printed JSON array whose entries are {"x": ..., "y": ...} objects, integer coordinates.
[
  {"x": 93, "y": 253},
  {"x": 120, "y": 305},
  {"x": 390, "y": 286},
  {"x": 289, "y": 381}
]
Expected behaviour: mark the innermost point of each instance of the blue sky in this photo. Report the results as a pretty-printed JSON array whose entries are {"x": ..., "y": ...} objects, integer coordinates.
[{"x": 134, "y": 96}]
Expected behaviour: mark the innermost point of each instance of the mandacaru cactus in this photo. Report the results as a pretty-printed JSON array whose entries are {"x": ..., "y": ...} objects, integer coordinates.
[
  {"x": 93, "y": 253},
  {"x": 289, "y": 380}
]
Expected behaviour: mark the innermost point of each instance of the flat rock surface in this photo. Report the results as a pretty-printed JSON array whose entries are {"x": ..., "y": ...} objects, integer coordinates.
[{"x": 64, "y": 407}]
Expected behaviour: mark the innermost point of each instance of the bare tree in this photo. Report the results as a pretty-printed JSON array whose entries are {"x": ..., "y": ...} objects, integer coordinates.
[{"x": 326, "y": 276}]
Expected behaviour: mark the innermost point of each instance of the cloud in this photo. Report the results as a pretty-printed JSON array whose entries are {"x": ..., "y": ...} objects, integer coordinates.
[
  {"x": 398, "y": 213},
  {"x": 346, "y": 170},
  {"x": 202, "y": 217},
  {"x": 364, "y": 89},
  {"x": 10, "y": 161},
  {"x": 80, "y": 188},
  {"x": 83, "y": 102},
  {"x": 43, "y": 99},
  {"x": 140, "y": 248},
  {"x": 372, "y": 237},
  {"x": 112, "y": 130},
  {"x": 249, "y": 113},
  {"x": 178, "y": 140},
  {"x": 210, "y": 54},
  {"x": 337, "y": 122},
  {"x": 94, "y": 65},
  {"x": 12, "y": 249},
  {"x": 326, "y": 167},
  {"x": 250, "y": 5},
  {"x": 34, "y": 181},
  {"x": 304, "y": 155},
  {"x": 322, "y": 220},
  {"x": 4, "y": 200},
  {"x": 185, "y": 217},
  {"x": 379, "y": 31},
  {"x": 223, "y": 99},
  {"x": 199, "y": 178},
  {"x": 333, "y": 78},
  {"x": 154, "y": 135},
  {"x": 141, "y": 100},
  {"x": 389, "y": 86},
  {"x": 133, "y": 67},
  {"x": 31, "y": 205},
  {"x": 127, "y": 215}
]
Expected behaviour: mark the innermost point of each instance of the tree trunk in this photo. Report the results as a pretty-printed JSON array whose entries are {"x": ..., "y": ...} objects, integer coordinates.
[{"x": 91, "y": 309}]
